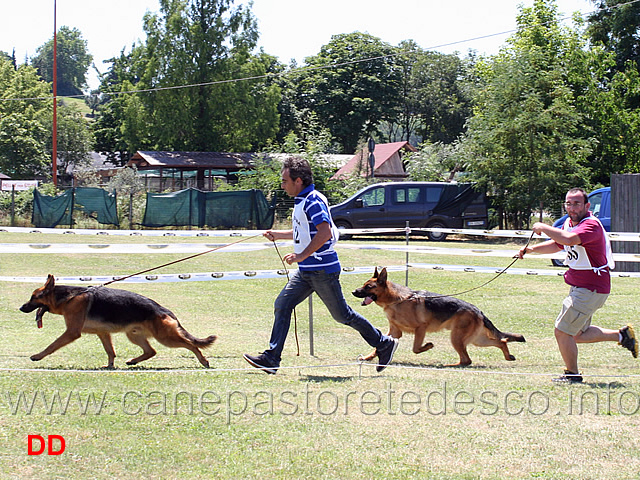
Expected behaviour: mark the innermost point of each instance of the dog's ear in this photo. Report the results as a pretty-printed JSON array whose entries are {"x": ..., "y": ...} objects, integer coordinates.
[
  {"x": 382, "y": 276},
  {"x": 51, "y": 282},
  {"x": 375, "y": 272}
]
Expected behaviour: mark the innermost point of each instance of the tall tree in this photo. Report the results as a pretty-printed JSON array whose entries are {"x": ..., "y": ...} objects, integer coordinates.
[
  {"x": 609, "y": 88},
  {"x": 124, "y": 123},
  {"x": 73, "y": 61},
  {"x": 443, "y": 101},
  {"x": 205, "y": 45},
  {"x": 525, "y": 133},
  {"x": 616, "y": 26},
  {"x": 75, "y": 141},
  {"x": 23, "y": 122},
  {"x": 352, "y": 86}
]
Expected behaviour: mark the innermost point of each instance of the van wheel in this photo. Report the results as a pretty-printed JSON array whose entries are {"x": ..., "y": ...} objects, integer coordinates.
[
  {"x": 342, "y": 224},
  {"x": 436, "y": 236}
]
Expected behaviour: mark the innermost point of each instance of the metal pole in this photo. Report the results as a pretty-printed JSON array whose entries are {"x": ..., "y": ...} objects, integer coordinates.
[
  {"x": 13, "y": 205},
  {"x": 54, "y": 152},
  {"x": 311, "y": 324},
  {"x": 406, "y": 278},
  {"x": 130, "y": 210}
]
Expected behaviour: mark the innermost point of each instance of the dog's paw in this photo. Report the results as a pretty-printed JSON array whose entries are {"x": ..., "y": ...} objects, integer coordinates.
[
  {"x": 427, "y": 346},
  {"x": 511, "y": 358},
  {"x": 35, "y": 358},
  {"x": 131, "y": 362}
]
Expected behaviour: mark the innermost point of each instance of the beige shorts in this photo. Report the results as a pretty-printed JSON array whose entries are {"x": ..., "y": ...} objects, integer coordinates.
[{"x": 578, "y": 309}]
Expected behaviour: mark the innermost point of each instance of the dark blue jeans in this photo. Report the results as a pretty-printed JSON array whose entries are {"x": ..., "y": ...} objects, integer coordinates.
[{"x": 327, "y": 287}]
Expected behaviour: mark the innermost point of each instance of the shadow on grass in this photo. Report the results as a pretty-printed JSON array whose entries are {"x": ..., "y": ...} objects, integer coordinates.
[
  {"x": 327, "y": 378},
  {"x": 440, "y": 366}
]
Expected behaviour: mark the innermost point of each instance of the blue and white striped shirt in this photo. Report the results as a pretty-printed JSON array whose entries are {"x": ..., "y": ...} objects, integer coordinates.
[{"x": 311, "y": 209}]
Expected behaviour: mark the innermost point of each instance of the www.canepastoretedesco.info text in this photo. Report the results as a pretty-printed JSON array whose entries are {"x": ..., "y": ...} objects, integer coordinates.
[{"x": 312, "y": 400}]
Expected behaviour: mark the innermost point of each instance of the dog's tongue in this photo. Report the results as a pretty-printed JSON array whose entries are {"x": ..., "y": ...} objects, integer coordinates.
[
  {"x": 39, "y": 315},
  {"x": 367, "y": 301}
]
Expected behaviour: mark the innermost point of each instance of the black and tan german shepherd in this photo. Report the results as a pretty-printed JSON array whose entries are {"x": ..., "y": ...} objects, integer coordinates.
[
  {"x": 419, "y": 312},
  {"x": 104, "y": 311}
]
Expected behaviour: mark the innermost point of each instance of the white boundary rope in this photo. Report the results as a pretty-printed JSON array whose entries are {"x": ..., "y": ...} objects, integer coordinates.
[
  {"x": 466, "y": 371},
  {"x": 616, "y": 236}
]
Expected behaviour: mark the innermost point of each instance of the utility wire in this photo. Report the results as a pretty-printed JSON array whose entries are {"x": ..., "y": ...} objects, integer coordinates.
[{"x": 313, "y": 68}]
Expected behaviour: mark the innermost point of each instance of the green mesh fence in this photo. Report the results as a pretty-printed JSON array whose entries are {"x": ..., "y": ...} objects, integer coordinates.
[
  {"x": 192, "y": 207},
  {"x": 48, "y": 212}
]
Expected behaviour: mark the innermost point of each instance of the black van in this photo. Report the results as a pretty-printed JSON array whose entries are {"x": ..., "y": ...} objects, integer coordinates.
[{"x": 423, "y": 204}]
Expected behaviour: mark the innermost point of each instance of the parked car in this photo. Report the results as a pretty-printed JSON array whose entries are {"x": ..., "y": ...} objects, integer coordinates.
[
  {"x": 422, "y": 204},
  {"x": 600, "y": 201}
]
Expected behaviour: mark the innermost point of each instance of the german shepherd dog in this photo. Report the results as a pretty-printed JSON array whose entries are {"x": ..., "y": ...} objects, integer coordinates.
[
  {"x": 419, "y": 312},
  {"x": 104, "y": 311}
]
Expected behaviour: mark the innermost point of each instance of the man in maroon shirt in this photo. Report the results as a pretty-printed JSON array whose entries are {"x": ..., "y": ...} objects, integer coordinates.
[{"x": 589, "y": 259}]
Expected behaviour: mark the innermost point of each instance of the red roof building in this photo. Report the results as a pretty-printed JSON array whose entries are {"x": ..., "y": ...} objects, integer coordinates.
[{"x": 388, "y": 162}]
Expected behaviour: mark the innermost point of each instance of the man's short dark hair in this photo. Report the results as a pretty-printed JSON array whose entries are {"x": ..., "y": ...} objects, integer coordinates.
[
  {"x": 585, "y": 197},
  {"x": 299, "y": 168}
]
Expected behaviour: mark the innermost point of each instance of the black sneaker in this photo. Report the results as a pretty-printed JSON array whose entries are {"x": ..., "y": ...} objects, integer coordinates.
[
  {"x": 568, "y": 377},
  {"x": 629, "y": 340},
  {"x": 385, "y": 355},
  {"x": 263, "y": 362}
]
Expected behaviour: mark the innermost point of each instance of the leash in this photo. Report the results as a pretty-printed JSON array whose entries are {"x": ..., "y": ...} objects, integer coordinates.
[
  {"x": 118, "y": 279},
  {"x": 40, "y": 313},
  {"x": 515, "y": 259},
  {"x": 295, "y": 316}
]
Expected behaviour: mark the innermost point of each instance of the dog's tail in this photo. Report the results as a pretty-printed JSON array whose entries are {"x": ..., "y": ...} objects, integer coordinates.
[
  {"x": 198, "y": 342},
  {"x": 502, "y": 336}
]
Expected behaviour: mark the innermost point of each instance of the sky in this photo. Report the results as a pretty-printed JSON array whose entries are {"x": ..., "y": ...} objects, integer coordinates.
[{"x": 289, "y": 29}]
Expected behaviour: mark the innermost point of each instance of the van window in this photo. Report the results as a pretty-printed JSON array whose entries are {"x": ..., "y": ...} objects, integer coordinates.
[
  {"x": 433, "y": 194},
  {"x": 596, "y": 202},
  {"x": 373, "y": 198},
  {"x": 407, "y": 195}
]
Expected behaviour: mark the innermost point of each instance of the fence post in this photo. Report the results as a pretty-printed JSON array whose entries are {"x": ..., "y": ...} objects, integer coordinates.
[{"x": 311, "y": 324}]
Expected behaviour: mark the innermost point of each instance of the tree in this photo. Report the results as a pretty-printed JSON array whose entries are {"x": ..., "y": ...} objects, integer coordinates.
[
  {"x": 442, "y": 100},
  {"x": 405, "y": 121},
  {"x": 437, "y": 162},
  {"x": 205, "y": 45},
  {"x": 202, "y": 90},
  {"x": 609, "y": 88},
  {"x": 23, "y": 117},
  {"x": 525, "y": 134},
  {"x": 73, "y": 61},
  {"x": 74, "y": 141},
  {"x": 615, "y": 26},
  {"x": 124, "y": 123},
  {"x": 352, "y": 87}
]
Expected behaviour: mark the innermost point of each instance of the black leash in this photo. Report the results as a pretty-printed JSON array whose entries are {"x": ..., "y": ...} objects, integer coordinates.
[
  {"x": 515, "y": 259},
  {"x": 295, "y": 316}
]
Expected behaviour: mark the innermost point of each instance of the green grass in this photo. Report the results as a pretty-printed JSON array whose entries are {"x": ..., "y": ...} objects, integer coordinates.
[
  {"x": 79, "y": 103},
  {"x": 321, "y": 416}
]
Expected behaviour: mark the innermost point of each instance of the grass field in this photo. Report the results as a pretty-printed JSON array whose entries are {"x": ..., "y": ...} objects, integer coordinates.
[{"x": 323, "y": 416}]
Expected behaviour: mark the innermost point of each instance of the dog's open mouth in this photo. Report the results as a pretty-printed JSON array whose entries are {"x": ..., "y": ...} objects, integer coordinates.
[
  {"x": 39, "y": 314},
  {"x": 367, "y": 301}
]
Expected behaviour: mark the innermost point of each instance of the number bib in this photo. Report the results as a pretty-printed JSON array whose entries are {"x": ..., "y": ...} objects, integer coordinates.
[{"x": 577, "y": 257}]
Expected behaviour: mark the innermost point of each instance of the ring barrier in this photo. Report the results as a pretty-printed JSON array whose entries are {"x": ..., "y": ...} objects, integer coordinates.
[
  {"x": 279, "y": 273},
  {"x": 263, "y": 274},
  {"x": 616, "y": 236}
]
